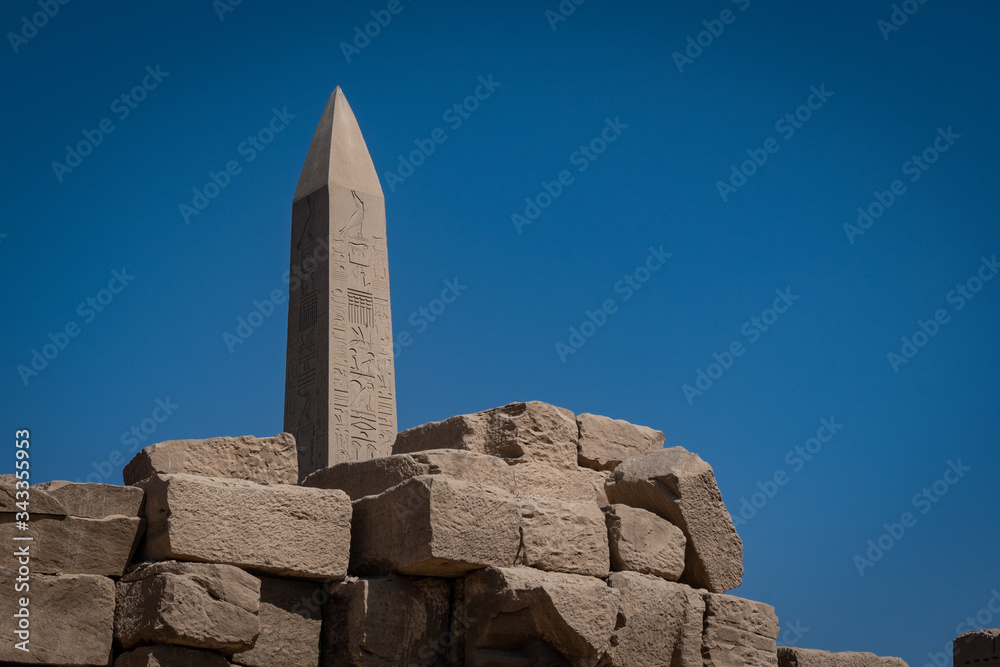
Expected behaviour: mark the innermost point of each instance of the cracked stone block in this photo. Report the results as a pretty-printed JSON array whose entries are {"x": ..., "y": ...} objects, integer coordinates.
[
  {"x": 523, "y": 616},
  {"x": 659, "y": 622},
  {"x": 386, "y": 621},
  {"x": 642, "y": 542},
  {"x": 680, "y": 487},
  {"x": 531, "y": 431},
  {"x": 271, "y": 460},
  {"x": 433, "y": 525},
  {"x": 606, "y": 442},
  {"x": 199, "y": 605},
  {"x": 279, "y": 529}
]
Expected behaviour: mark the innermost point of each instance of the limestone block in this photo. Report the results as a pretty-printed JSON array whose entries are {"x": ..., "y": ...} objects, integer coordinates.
[
  {"x": 71, "y": 545},
  {"x": 563, "y": 536},
  {"x": 642, "y": 542},
  {"x": 659, "y": 622},
  {"x": 789, "y": 656},
  {"x": 433, "y": 525},
  {"x": 290, "y": 619},
  {"x": 95, "y": 501},
  {"x": 285, "y": 530},
  {"x": 386, "y": 621},
  {"x": 580, "y": 484},
  {"x": 165, "y": 655},
  {"x": 71, "y": 620},
  {"x": 523, "y": 616},
  {"x": 678, "y": 486},
  {"x": 264, "y": 460},
  {"x": 738, "y": 632},
  {"x": 200, "y": 605},
  {"x": 606, "y": 442},
  {"x": 369, "y": 478},
  {"x": 531, "y": 431},
  {"x": 39, "y": 501}
]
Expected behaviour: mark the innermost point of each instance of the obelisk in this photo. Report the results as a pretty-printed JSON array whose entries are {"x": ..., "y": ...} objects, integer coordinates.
[{"x": 340, "y": 389}]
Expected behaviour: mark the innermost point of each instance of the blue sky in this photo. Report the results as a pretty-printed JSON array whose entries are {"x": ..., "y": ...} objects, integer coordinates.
[{"x": 149, "y": 351}]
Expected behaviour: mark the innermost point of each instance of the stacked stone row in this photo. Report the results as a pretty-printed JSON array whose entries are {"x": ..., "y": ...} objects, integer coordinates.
[{"x": 524, "y": 535}]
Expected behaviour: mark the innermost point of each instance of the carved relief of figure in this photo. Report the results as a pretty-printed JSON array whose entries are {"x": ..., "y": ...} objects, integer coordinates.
[
  {"x": 362, "y": 396},
  {"x": 357, "y": 219}
]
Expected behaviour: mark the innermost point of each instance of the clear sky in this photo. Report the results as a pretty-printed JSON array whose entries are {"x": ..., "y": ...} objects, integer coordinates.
[{"x": 715, "y": 174}]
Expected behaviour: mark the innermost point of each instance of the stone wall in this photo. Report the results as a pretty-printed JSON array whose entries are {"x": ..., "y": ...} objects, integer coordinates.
[{"x": 523, "y": 535}]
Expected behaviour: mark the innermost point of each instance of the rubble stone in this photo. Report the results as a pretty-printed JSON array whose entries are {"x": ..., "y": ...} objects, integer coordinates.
[
  {"x": 659, "y": 622},
  {"x": 606, "y": 442},
  {"x": 523, "y": 616},
  {"x": 386, "y": 621},
  {"x": 433, "y": 525},
  {"x": 532, "y": 431},
  {"x": 642, "y": 542},
  {"x": 264, "y": 460},
  {"x": 677, "y": 485},
  {"x": 200, "y": 605},
  {"x": 284, "y": 530}
]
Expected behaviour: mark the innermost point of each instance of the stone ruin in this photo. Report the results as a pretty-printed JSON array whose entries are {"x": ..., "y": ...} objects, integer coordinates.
[
  {"x": 519, "y": 536},
  {"x": 516, "y": 537}
]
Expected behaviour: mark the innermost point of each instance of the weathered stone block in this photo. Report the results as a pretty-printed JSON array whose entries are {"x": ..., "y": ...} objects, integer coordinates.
[
  {"x": 531, "y": 431},
  {"x": 285, "y": 530},
  {"x": 370, "y": 478},
  {"x": 434, "y": 525},
  {"x": 290, "y": 620},
  {"x": 200, "y": 605},
  {"x": 659, "y": 622},
  {"x": 40, "y": 502},
  {"x": 95, "y": 501},
  {"x": 71, "y": 620},
  {"x": 642, "y": 542},
  {"x": 71, "y": 545},
  {"x": 790, "y": 656},
  {"x": 563, "y": 536},
  {"x": 606, "y": 442},
  {"x": 738, "y": 632},
  {"x": 579, "y": 484},
  {"x": 170, "y": 656},
  {"x": 522, "y": 616},
  {"x": 386, "y": 621},
  {"x": 677, "y": 485},
  {"x": 264, "y": 460}
]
